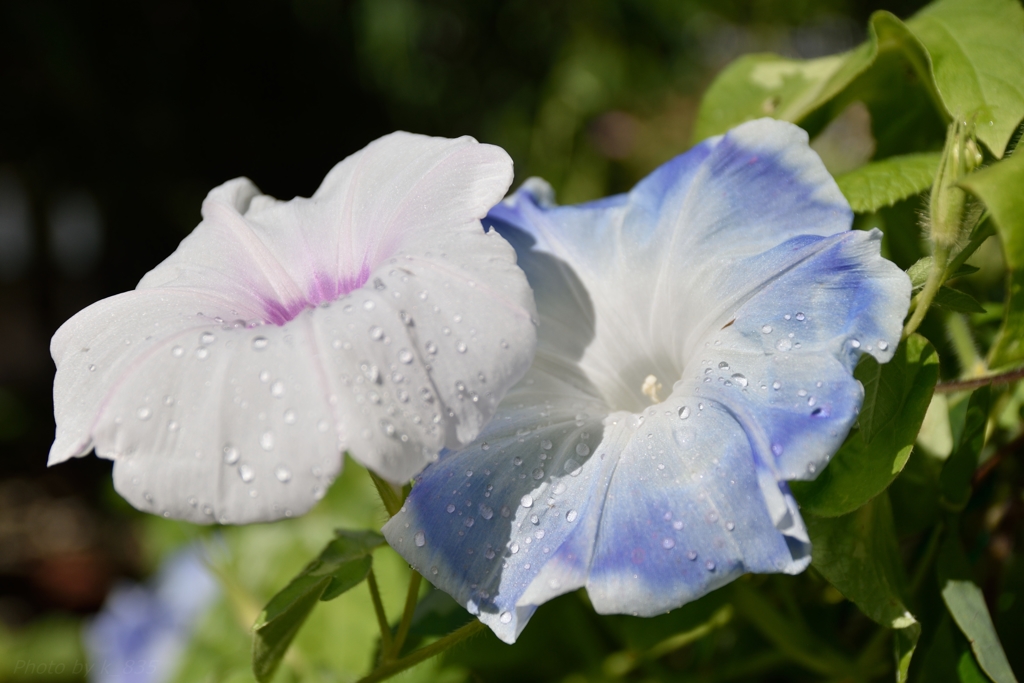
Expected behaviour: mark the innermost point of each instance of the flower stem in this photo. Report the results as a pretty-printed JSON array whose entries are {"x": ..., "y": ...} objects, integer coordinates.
[
  {"x": 393, "y": 667},
  {"x": 411, "y": 598},
  {"x": 382, "y": 619},
  {"x": 923, "y": 301}
]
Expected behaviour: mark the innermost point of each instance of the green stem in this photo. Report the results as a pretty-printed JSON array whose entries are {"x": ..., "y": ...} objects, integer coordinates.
[
  {"x": 393, "y": 667},
  {"x": 936, "y": 276},
  {"x": 382, "y": 619},
  {"x": 411, "y": 598}
]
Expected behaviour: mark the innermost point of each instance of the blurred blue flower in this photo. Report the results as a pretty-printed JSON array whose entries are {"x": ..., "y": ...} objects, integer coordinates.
[
  {"x": 695, "y": 351},
  {"x": 142, "y": 630}
]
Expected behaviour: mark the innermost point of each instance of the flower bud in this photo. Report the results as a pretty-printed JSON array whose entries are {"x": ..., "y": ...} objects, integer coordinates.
[{"x": 946, "y": 205}]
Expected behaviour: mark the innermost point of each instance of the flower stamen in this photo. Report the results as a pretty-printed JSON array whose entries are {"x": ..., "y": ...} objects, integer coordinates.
[{"x": 650, "y": 388}]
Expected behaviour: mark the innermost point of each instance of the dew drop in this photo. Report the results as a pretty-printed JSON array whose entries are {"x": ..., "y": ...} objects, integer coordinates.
[
  {"x": 546, "y": 445},
  {"x": 723, "y": 365},
  {"x": 143, "y": 413},
  {"x": 277, "y": 389},
  {"x": 405, "y": 356},
  {"x": 419, "y": 539},
  {"x": 486, "y": 512},
  {"x": 172, "y": 426},
  {"x": 246, "y": 473},
  {"x": 376, "y": 333},
  {"x": 684, "y": 412},
  {"x": 283, "y": 475},
  {"x": 582, "y": 449},
  {"x": 267, "y": 441},
  {"x": 668, "y": 544},
  {"x": 730, "y": 526},
  {"x": 572, "y": 467},
  {"x": 92, "y": 368},
  {"x": 230, "y": 455},
  {"x": 202, "y": 353},
  {"x": 461, "y": 347},
  {"x": 260, "y": 343},
  {"x": 289, "y": 416},
  {"x": 692, "y": 555},
  {"x": 178, "y": 351},
  {"x": 570, "y": 516},
  {"x": 776, "y": 385},
  {"x": 526, "y": 501},
  {"x": 784, "y": 344},
  {"x": 514, "y": 548},
  {"x": 800, "y": 316},
  {"x": 855, "y": 343},
  {"x": 469, "y": 522},
  {"x": 538, "y": 473},
  {"x": 206, "y": 338},
  {"x": 431, "y": 348},
  {"x": 677, "y": 525},
  {"x": 710, "y": 565},
  {"x": 264, "y": 376},
  {"x": 767, "y": 329},
  {"x": 368, "y": 305},
  {"x": 882, "y": 345},
  {"x": 505, "y": 618},
  {"x": 739, "y": 379},
  {"x": 517, "y": 461}
]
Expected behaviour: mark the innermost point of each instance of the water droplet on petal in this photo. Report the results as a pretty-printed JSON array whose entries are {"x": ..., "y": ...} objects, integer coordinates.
[
  {"x": 289, "y": 416},
  {"x": 882, "y": 345},
  {"x": 538, "y": 473},
  {"x": 855, "y": 343},
  {"x": 419, "y": 539},
  {"x": 546, "y": 445},
  {"x": 277, "y": 389},
  {"x": 767, "y": 329},
  {"x": 710, "y": 565},
  {"x": 514, "y": 548},
  {"x": 570, "y": 516},
  {"x": 260, "y": 343},
  {"x": 730, "y": 526},
  {"x": 461, "y": 347},
  {"x": 668, "y": 544},
  {"x": 526, "y": 501},
  {"x": 230, "y": 454},
  {"x": 776, "y": 385},
  {"x": 202, "y": 353},
  {"x": 206, "y": 338},
  {"x": 739, "y": 379},
  {"x": 267, "y": 441},
  {"x": 723, "y": 365},
  {"x": 784, "y": 344},
  {"x": 486, "y": 512},
  {"x": 405, "y": 356},
  {"x": 178, "y": 351},
  {"x": 692, "y": 555},
  {"x": 283, "y": 475},
  {"x": 143, "y": 413},
  {"x": 582, "y": 449},
  {"x": 505, "y": 618},
  {"x": 800, "y": 316},
  {"x": 92, "y": 368},
  {"x": 684, "y": 412},
  {"x": 246, "y": 473},
  {"x": 376, "y": 333}
]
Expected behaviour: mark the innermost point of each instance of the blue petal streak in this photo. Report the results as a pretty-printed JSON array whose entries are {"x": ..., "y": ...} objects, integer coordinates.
[{"x": 730, "y": 275}]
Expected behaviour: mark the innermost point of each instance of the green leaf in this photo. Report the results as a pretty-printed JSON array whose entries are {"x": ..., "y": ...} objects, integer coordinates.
[
  {"x": 858, "y": 554},
  {"x": 957, "y": 471},
  {"x": 966, "y": 604},
  {"x": 918, "y": 273},
  {"x": 957, "y": 301},
  {"x": 896, "y": 398},
  {"x": 760, "y": 85},
  {"x": 999, "y": 187},
  {"x": 883, "y": 183},
  {"x": 977, "y": 54},
  {"x": 343, "y": 564},
  {"x": 904, "y": 645}
]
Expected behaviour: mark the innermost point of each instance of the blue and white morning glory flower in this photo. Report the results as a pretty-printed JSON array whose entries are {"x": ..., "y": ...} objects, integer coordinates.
[
  {"x": 696, "y": 343},
  {"x": 377, "y": 317}
]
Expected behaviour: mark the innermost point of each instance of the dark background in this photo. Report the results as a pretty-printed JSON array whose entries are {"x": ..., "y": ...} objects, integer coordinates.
[{"x": 116, "y": 118}]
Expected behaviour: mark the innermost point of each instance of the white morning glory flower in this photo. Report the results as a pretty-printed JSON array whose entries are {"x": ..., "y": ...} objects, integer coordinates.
[
  {"x": 696, "y": 343},
  {"x": 376, "y": 317}
]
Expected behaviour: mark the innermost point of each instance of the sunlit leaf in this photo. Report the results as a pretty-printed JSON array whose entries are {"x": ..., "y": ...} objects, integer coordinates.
[
  {"x": 896, "y": 398},
  {"x": 883, "y": 183},
  {"x": 977, "y": 54},
  {"x": 999, "y": 187}
]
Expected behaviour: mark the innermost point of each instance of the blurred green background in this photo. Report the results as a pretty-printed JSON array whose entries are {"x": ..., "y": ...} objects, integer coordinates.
[{"x": 116, "y": 118}]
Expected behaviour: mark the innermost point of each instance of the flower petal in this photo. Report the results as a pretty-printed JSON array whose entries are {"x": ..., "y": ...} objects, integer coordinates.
[
  {"x": 730, "y": 274},
  {"x": 412, "y": 355}
]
